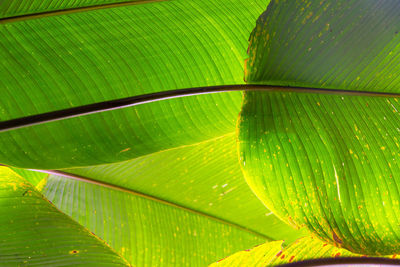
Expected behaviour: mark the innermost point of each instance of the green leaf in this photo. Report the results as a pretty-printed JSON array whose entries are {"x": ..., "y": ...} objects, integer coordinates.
[
  {"x": 272, "y": 254},
  {"x": 34, "y": 232},
  {"x": 205, "y": 177},
  {"x": 327, "y": 162},
  {"x": 186, "y": 206},
  {"x": 147, "y": 232},
  {"x": 64, "y": 61},
  {"x": 10, "y": 8},
  {"x": 349, "y": 45},
  {"x": 34, "y": 178},
  {"x": 258, "y": 256}
]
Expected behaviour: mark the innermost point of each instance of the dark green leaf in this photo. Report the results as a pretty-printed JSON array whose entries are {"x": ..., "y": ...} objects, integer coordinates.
[{"x": 341, "y": 44}]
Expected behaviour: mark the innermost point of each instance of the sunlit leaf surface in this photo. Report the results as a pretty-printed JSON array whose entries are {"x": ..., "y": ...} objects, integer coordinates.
[
  {"x": 329, "y": 162},
  {"x": 204, "y": 189},
  {"x": 144, "y": 231},
  {"x": 204, "y": 177},
  {"x": 71, "y": 60},
  {"x": 272, "y": 254},
  {"x": 34, "y": 178},
  {"x": 34, "y": 232}
]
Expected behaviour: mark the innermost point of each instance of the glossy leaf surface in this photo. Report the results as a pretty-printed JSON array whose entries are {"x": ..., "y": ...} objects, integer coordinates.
[
  {"x": 34, "y": 232},
  {"x": 327, "y": 162},
  {"x": 71, "y": 60}
]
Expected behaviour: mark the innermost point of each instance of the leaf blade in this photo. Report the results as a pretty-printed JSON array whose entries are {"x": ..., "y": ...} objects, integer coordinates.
[
  {"x": 327, "y": 44},
  {"x": 35, "y": 232},
  {"x": 326, "y": 162},
  {"x": 306, "y": 248},
  {"x": 123, "y": 56}
]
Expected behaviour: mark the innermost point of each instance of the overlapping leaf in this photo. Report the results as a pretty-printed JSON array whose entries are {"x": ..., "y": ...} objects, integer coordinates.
[
  {"x": 34, "y": 178},
  {"x": 64, "y": 61},
  {"x": 272, "y": 254},
  {"x": 147, "y": 232},
  {"x": 183, "y": 206},
  {"x": 348, "y": 45},
  {"x": 205, "y": 177},
  {"x": 327, "y": 161},
  {"x": 34, "y": 232}
]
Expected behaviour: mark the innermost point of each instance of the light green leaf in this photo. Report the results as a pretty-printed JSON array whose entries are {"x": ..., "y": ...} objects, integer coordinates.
[
  {"x": 340, "y": 44},
  {"x": 34, "y": 178},
  {"x": 64, "y": 61},
  {"x": 11, "y": 8},
  {"x": 186, "y": 206},
  {"x": 327, "y": 162},
  {"x": 205, "y": 177},
  {"x": 257, "y": 256},
  {"x": 34, "y": 232},
  {"x": 272, "y": 254}
]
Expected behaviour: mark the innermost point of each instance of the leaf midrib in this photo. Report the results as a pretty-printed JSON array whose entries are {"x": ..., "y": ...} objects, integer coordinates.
[
  {"x": 73, "y": 10},
  {"x": 112, "y": 186},
  {"x": 120, "y": 103}
]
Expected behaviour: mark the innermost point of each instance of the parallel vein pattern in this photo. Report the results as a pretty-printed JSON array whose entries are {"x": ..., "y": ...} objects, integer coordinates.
[
  {"x": 11, "y": 8},
  {"x": 145, "y": 232},
  {"x": 307, "y": 248},
  {"x": 72, "y": 60},
  {"x": 352, "y": 45},
  {"x": 33, "y": 232},
  {"x": 205, "y": 177},
  {"x": 330, "y": 163}
]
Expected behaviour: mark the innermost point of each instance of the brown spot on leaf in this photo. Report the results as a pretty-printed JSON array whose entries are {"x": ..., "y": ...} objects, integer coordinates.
[
  {"x": 291, "y": 259},
  {"x": 74, "y": 251},
  {"x": 336, "y": 238}
]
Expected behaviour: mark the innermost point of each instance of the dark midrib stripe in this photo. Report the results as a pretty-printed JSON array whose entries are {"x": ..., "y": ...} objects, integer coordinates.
[
  {"x": 146, "y": 98},
  {"x": 153, "y": 198},
  {"x": 344, "y": 260},
  {"x": 73, "y": 10}
]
